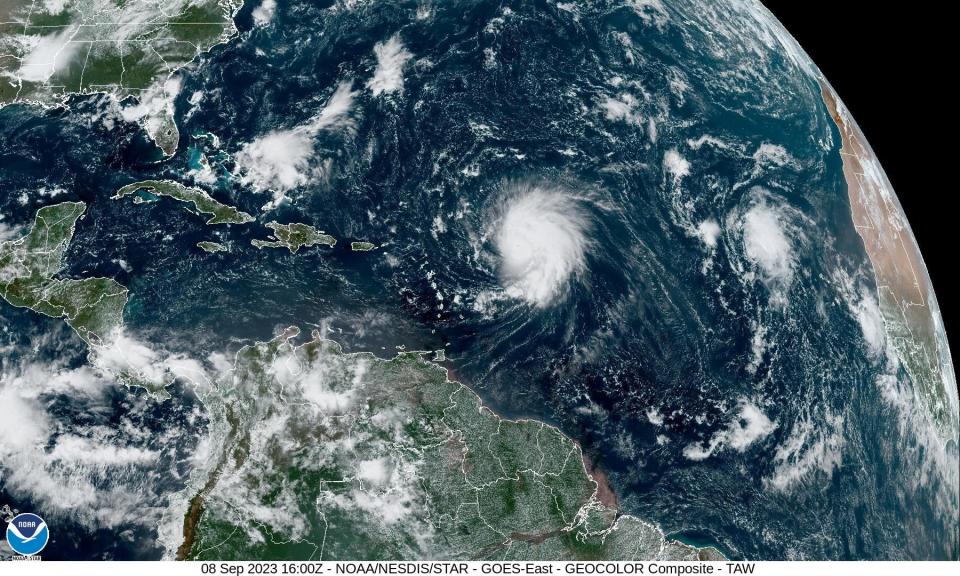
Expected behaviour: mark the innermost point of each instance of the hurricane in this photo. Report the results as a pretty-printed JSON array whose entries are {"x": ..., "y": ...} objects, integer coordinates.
[{"x": 542, "y": 240}]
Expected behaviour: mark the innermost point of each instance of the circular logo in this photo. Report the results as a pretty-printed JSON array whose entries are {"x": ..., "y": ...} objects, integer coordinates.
[{"x": 27, "y": 534}]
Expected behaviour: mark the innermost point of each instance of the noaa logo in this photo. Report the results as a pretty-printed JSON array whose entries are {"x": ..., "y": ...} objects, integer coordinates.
[{"x": 27, "y": 534}]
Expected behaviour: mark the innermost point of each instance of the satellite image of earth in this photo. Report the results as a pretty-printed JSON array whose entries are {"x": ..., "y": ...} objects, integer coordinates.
[{"x": 463, "y": 279}]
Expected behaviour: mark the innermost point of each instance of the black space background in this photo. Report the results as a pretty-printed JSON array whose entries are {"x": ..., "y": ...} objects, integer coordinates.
[{"x": 891, "y": 65}]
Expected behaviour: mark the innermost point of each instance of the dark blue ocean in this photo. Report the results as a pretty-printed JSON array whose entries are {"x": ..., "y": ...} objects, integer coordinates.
[{"x": 661, "y": 345}]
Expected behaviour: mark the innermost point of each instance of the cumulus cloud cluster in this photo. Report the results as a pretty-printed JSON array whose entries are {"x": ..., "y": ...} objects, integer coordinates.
[
  {"x": 770, "y": 235},
  {"x": 392, "y": 57},
  {"x": 766, "y": 245},
  {"x": 263, "y": 14},
  {"x": 282, "y": 160},
  {"x": 748, "y": 426}
]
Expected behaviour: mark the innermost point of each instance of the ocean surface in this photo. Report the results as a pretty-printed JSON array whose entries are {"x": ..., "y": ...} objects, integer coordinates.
[{"x": 696, "y": 309}]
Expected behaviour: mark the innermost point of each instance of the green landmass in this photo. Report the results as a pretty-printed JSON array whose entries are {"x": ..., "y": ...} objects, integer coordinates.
[
  {"x": 122, "y": 48},
  {"x": 362, "y": 246},
  {"x": 326, "y": 455},
  {"x": 118, "y": 47},
  {"x": 294, "y": 236},
  {"x": 211, "y": 247},
  {"x": 203, "y": 203},
  {"x": 93, "y": 307}
]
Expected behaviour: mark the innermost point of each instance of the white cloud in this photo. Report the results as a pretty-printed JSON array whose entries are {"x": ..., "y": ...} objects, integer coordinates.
[
  {"x": 391, "y": 497},
  {"x": 315, "y": 387},
  {"x": 154, "y": 108},
  {"x": 652, "y": 129},
  {"x": 8, "y": 232},
  {"x": 95, "y": 470},
  {"x": 766, "y": 245},
  {"x": 222, "y": 365},
  {"x": 373, "y": 471},
  {"x": 806, "y": 450},
  {"x": 123, "y": 353},
  {"x": 758, "y": 345},
  {"x": 84, "y": 451},
  {"x": 204, "y": 174},
  {"x": 542, "y": 239},
  {"x": 47, "y": 55},
  {"x": 709, "y": 232},
  {"x": 125, "y": 357},
  {"x": 622, "y": 109},
  {"x": 234, "y": 498},
  {"x": 775, "y": 154},
  {"x": 384, "y": 487},
  {"x": 263, "y": 13},
  {"x": 706, "y": 139},
  {"x": 749, "y": 425},
  {"x": 279, "y": 160},
  {"x": 187, "y": 369},
  {"x": 23, "y": 426},
  {"x": 868, "y": 315},
  {"x": 314, "y": 382},
  {"x": 283, "y": 160},
  {"x": 654, "y": 416},
  {"x": 650, "y": 11},
  {"x": 698, "y": 452},
  {"x": 82, "y": 382},
  {"x": 391, "y": 59},
  {"x": 424, "y": 12},
  {"x": 54, "y": 6},
  {"x": 157, "y": 100},
  {"x": 336, "y": 114},
  {"x": 676, "y": 165},
  {"x": 316, "y": 391}
]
